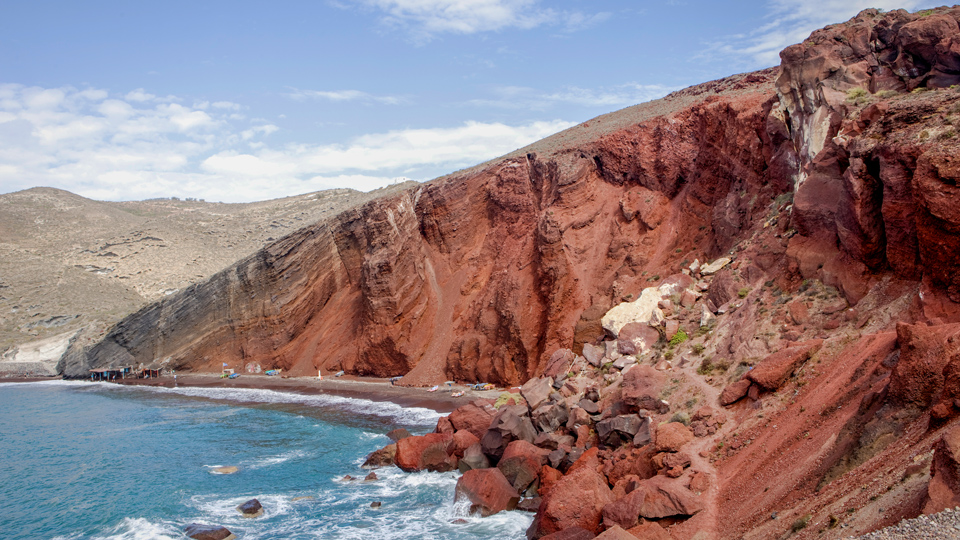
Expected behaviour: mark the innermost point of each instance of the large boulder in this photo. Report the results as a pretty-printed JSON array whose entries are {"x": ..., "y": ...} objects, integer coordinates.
[
  {"x": 488, "y": 491},
  {"x": 654, "y": 498},
  {"x": 383, "y": 457},
  {"x": 629, "y": 461},
  {"x": 619, "y": 429},
  {"x": 735, "y": 392},
  {"x": 521, "y": 464},
  {"x": 536, "y": 391},
  {"x": 645, "y": 310},
  {"x": 672, "y": 436},
  {"x": 943, "y": 491},
  {"x": 559, "y": 363},
  {"x": 474, "y": 417},
  {"x": 641, "y": 389},
  {"x": 462, "y": 440},
  {"x": 773, "y": 371},
  {"x": 473, "y": 458},
  {"x": 576, "y": 500},
  {"x": 199, "y": 531},
  {"x": 426, "y": 453},
  {"x": 510, "y": 424},
  {"x": 636, "y": 338},
  {"x": 550, "y": 415}
]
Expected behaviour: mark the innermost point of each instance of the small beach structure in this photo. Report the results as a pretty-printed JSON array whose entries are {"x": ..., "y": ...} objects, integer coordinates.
[
  {"x": 149, "y": 373},
  {"x": 111, "y": 374}
]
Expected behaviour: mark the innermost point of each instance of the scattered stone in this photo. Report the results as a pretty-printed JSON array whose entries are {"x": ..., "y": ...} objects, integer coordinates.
[
  {"x": 623, "y": 362},
  {"x": 530, "y": 504},
  {"x": 376, "y": 504},
  {"x": 302, "y": 498},
  {"x": 734, "y": 392},
  {"x": 372, "y": 477},
  {"x": 251, "y": 509},
  {"x": 488, "y": 491},
  {"x": 199, "y": 531},
  {"x": 590, "y": 407},
  {"x": 594, "y": 354},
  {"x": 347, "y": 478},
  {"x": 707, "y": 318},
  {"x": 688, "y": 298},
  {"x": 715, "y": 266}
]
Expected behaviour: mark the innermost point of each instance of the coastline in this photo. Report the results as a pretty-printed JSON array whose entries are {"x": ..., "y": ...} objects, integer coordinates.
[{"x": 372, "y": 389}]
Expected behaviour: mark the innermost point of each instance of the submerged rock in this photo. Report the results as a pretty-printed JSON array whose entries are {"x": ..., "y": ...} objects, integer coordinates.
[
  {"x": 199, "y": 531},
  {"x": 224, "y": 470},
  {"x": 251, "y": 509}
]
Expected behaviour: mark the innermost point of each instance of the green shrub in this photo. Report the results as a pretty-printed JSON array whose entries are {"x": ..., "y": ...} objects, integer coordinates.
[
  {"x": 682, "y": 417},
  {"x": 742, "y": 293},
  {"x": 697, "y": 348},
  {"x": 678, "y": 338},
  {"x": 886, "y": 94},
  {"x": 857, "y": 95}
]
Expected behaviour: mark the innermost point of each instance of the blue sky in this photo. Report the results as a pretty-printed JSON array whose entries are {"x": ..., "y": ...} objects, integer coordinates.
[{"x": 240, "y": 101}]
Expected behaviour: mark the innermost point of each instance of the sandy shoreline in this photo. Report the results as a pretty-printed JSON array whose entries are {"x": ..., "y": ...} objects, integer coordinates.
[{"x": 353, "y": 387}]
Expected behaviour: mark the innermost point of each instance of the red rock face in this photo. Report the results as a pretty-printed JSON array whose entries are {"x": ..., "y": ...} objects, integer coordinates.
[{"x": 484, "y": 274}]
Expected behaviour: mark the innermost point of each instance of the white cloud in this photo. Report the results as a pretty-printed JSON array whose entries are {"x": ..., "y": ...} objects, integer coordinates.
[
  {"x": 135, "y": 146},
  {"x": 342, "y": 96},
  {"x": 428, "y": 18},
  {"x": 792, "y": 21},
  {"x": 518, "y": 97},
  {"x": 407, "y": 150}
]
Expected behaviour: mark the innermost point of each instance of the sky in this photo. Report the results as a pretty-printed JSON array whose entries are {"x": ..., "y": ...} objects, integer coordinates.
[{"x": 239, "y": 101}]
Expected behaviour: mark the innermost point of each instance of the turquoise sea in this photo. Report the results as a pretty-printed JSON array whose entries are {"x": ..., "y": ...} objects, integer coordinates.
[{"x": 82, "y": 460}]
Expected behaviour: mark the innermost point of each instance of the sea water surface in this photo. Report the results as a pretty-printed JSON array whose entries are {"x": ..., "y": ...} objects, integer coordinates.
[{"x": 82, "y": 460}]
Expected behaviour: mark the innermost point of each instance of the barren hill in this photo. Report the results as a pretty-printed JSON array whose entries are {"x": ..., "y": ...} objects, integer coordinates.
[{"x": 67, "y": 262}]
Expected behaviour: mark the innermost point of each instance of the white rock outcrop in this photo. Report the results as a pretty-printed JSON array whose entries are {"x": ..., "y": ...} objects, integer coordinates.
[
  {"x": 37, "y": 358},
  {"x": 642, "y": 310}
]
